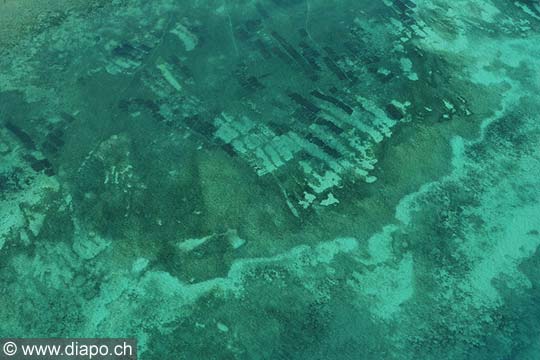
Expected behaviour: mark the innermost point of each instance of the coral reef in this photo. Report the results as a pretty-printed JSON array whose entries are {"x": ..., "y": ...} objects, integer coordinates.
[{"x": 273, "y": 179}]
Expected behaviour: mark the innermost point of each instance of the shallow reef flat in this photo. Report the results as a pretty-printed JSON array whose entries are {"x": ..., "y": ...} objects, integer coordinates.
[
  {"x": 23, "y": 18},
  {"x": 274, "y": 179}
]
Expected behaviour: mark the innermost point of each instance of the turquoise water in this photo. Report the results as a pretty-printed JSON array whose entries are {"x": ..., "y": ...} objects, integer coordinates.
[{"x": 276, "y": 179}]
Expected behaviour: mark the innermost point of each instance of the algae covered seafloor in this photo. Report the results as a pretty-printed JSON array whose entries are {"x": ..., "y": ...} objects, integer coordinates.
[{"x": 275, "y": 179}]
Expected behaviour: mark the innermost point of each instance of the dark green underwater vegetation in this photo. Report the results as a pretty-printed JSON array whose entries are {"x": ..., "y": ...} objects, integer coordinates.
[{"x": 276, "y": 179}]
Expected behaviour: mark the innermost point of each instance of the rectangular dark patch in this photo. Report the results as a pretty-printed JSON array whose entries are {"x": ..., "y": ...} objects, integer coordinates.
[{"x": 22, "y": 135}]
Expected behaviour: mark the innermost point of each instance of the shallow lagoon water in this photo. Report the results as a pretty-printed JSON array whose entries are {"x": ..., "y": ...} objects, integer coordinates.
[{"x": 275, "y": 179}]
